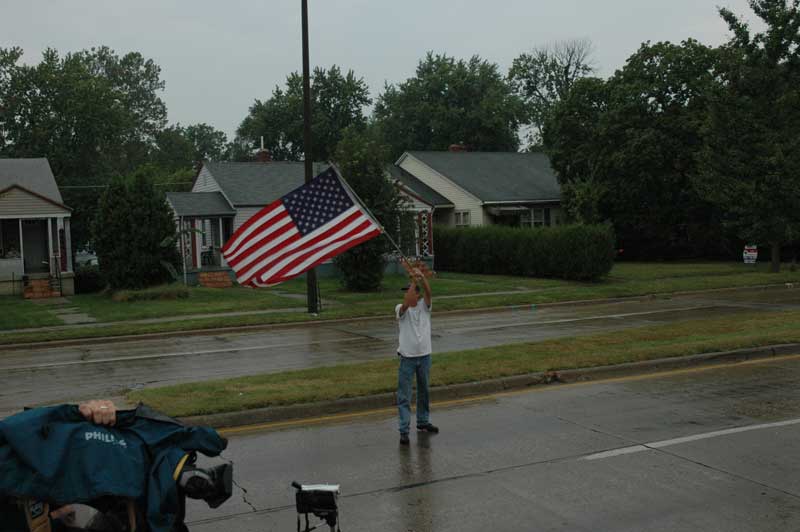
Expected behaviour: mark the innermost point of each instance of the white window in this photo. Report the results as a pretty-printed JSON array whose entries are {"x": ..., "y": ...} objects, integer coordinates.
[
  {"x": 462, "y": 218},
  {"x": 536, "y": 217}
]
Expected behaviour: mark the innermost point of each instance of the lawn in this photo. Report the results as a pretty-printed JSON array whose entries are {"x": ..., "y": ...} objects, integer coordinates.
[
  {"x": 452, "y": 291},
  {"x": 369, "y": 378},
  {"x": 200, "y": 301},
  {"x": 18, "y": 313}
]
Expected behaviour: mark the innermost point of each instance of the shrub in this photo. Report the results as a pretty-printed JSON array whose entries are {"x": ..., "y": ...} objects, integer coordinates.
[
  {"x": 165, "y": 292},
  {"x": 577, "y": 252},
  {"x": 88, "y": 279}
]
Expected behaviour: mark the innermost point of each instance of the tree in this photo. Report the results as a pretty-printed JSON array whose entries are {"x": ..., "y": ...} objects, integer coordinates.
[
  {"x": 362, "y": 159},
  {"x": 337, "y": 102},
  {"x": 751, "y": 159},
  {"x": 626, "y": 150},
  {"x": 92, "y": 113},
  {"x": 133, "y": 219},
  {"x": 544, "y": 76},
  {"x": 183, "y": 148},
  {"x": 450, "y": 101}
]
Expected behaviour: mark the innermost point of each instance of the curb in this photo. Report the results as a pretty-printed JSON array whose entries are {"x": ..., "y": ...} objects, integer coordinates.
[
  {"x": 323, "y": 322},
  {"x": 488, "y": 387}
]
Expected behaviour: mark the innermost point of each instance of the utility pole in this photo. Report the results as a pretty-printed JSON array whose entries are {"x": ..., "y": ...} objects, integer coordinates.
[{"x": 311, "y": 275}]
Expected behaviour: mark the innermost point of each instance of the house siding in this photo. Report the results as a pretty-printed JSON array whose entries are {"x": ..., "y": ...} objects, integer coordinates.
[
  {"x": 462, "y": 200},
  {"x": 205, "y": 182},
  {"x": 16, "y": 202},
  {"x": 242, "y": 215}
]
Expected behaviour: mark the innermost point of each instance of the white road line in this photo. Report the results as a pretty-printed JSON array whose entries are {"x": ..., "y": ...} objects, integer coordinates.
[{"x": 687, "y": 439}]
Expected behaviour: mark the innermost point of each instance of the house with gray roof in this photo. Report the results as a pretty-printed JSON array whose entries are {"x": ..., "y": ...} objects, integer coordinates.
[
  {"x": 35, "y": 244},
  {"x": 485, "y": 188}
]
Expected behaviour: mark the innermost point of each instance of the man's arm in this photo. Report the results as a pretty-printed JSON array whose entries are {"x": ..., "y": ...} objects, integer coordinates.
[
  {"x": 408, "y": 299},
  {"x": 426, "y": 287}
]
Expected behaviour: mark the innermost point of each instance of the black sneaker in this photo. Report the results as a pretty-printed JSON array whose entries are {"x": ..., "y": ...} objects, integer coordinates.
[
  {"x": 404, "y": 438},
  {"x": 214, "y": 485},
  {"x": 427, "y": 427}
]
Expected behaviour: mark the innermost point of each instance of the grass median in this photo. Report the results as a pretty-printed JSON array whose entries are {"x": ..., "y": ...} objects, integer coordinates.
[
  {"x": 452, "y": 291},
  {"x": 369, "y": 378}
]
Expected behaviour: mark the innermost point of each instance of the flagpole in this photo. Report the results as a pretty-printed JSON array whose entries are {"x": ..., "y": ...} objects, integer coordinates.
[{"x": 312, "y": 290}]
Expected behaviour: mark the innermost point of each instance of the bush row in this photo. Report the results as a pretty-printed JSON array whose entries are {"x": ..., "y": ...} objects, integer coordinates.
[
  {"x": 162, "y": 292},
  {"x": 578, "y": 252}
]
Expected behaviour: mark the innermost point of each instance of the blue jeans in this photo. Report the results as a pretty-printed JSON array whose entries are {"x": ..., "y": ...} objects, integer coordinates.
[{"x": 410, "y": 366}]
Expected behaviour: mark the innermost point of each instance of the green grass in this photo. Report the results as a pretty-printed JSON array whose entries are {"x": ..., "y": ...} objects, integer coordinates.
[
  {"x": 452, "y": 291},
  {"x": 18, "y": 313},
  {"x": 368, "y": 378},
  {"x": 200, "y": 301}
]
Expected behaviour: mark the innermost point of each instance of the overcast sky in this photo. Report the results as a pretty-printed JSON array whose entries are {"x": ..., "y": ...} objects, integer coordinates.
[{"x": 217, "y": 56}]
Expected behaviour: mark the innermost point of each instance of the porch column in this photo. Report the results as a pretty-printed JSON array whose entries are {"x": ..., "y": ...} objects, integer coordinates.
[
  {"x": 222, "y": 262},
  {"x": 21, "y": 247},
  {"x": 197, "y": 224},
  {"x": 68, "y": 243},
  {"x": 50, "y": 246}
]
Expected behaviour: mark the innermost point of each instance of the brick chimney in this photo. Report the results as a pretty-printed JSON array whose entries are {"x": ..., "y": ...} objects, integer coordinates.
[
  {"x": 263, "y": 155},
  {"x": 457, "y": 148}
]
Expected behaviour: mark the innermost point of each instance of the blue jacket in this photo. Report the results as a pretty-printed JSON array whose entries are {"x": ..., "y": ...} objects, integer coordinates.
[{"x": 53, "y": 454}]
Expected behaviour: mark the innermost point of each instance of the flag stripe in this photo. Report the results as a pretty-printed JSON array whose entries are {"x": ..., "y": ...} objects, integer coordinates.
[
  {"x": 255, "y": 221},
  {"x": 258, "y": 247},
  {"x": 262, "y": 231},
  {"x": 354, "y": 228},
  {"x": 289, "y": 235},
  {"x": 343, "y": 242},
  {"x": 366, "y": 236},
  {"x": 311, "y": 241}
]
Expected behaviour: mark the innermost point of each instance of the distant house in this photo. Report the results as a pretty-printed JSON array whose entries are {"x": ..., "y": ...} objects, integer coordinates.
[
  {"x": 35, "y": 245},
  {"x": 485, "y": 188}
]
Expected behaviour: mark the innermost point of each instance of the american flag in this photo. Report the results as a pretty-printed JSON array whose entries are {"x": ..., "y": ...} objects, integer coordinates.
[{"x": 307, "y": 226}]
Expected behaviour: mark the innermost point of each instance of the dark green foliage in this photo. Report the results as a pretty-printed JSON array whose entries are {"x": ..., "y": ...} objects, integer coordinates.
[
  {"x": 157, "y": 293},
  {"x": 450, "y": 101},
  {"x": 575, "y": 252},
  {"x": 133, "y": 219},
  {"x": 88, "y": 279},
  {"x": 93, "y": 114},
  {"x": 750, "y": 164},
  {"x": 544, "y": 76},
  {"x": 338, "y": 102},
  {"x": 185, "y": 148},
  {"x": 626, "y": 150},
  {"x": 362, "y": 159}
]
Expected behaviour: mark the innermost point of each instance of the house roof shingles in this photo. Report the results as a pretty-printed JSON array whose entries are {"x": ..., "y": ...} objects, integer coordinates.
[
  {"x": 497, "y": 176},
  {"x": 258, "y": 184},
  {"x": 31, "y": 174},
  {"x": 421, "y": 189},
  {"x": 200, "y": 204}
]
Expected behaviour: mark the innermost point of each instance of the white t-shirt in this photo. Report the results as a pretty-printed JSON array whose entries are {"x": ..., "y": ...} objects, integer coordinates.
[{"x": 415, "y": 330}]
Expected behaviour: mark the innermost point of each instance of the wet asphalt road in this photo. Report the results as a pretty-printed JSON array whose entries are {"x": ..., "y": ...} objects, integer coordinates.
[
  {"x": 58, "y": 374},
  {"x": 701, "y": 450}
]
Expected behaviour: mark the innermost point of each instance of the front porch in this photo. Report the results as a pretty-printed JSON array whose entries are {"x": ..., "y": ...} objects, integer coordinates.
[{"x": 36, "y": 257}]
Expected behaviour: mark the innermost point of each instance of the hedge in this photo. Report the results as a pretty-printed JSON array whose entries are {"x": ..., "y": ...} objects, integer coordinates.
[{"x": 577, "y": 252}]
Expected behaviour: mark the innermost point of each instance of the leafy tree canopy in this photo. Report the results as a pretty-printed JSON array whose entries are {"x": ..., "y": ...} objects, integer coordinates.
[
  {"x": 544, "y": 76},
  {"x": 750, "y": 165},
  {"x": 450, "y": 101},
  {"x": 337, "y": 102}
]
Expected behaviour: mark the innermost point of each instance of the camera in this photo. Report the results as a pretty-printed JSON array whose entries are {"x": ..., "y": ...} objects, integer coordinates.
[{"x": 320, "y": 500}]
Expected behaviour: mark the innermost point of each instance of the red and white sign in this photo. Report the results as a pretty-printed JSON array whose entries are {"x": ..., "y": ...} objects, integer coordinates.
[{"x": 750, "y": 254}]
